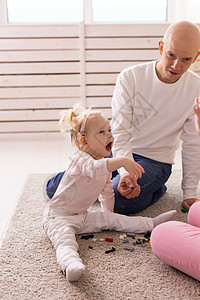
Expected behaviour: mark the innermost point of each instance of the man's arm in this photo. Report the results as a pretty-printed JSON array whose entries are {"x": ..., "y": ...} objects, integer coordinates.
[
  {"x": 122, "y": 116},
  {"x": 188, "y": 202},
  {"x": 190, "y": 162},
  {"x": 122, "y": 128}
]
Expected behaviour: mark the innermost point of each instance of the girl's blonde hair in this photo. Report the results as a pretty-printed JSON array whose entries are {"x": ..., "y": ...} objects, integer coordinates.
[{"x": 75, "y": 117}]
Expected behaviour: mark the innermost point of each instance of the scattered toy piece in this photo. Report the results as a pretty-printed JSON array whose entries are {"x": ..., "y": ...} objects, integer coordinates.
[
  {"x": 108, "y": 240},
  {"x": 125, "y": 241},
  {"x": 90, "y": 247},
  {"x": 94, "y": 240},
  {"x": 132, "y": 234},
  {"x": 110, "y": 250},
  {"x": 184, "y": 210},
  {"x": 122, "y": 236},
  {"x": 87, "y": 237},
  {"x": 129, "y": 248},
  {"x": 147, "y": 235}
]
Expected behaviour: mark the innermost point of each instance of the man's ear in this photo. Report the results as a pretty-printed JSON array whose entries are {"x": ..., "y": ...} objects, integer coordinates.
[
  {"x": 198, "y": 53},
  {"x": 83, "y": 140},
  {"x": 160, "y": 45}
]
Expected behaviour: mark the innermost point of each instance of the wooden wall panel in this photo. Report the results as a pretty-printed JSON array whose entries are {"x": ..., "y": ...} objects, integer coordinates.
[
  {"x": 38, "y": 43},
  {"x": 39, "y": 68},
  {"x": 16, "y": 31},
  {"x": 47, "y": 68},
  {"x": 40, "y": 80}
]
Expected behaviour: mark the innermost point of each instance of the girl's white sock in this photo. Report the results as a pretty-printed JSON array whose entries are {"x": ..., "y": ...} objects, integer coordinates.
[
  {"x": 74, "y": 271},
  {"x": 164, "y": 217}
]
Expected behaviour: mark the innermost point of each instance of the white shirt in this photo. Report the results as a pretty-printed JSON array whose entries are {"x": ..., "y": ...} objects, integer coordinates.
[{"x": 150, "y": 116}]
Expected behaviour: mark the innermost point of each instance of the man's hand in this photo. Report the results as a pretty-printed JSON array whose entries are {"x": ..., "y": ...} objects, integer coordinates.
[
  {"x": 188, "y": 202},
  {"x": 128, "y": 186}
]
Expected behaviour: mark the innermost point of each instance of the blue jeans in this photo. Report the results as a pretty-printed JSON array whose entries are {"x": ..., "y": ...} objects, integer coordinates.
[
  {"x": 151, "y": 184},
  {"x": 53, "y": 183}
]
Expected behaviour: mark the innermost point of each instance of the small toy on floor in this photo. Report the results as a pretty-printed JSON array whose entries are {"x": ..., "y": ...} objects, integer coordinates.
[
  {"x": 185, "y": 210},
  {"x": 110, "y": 250}
]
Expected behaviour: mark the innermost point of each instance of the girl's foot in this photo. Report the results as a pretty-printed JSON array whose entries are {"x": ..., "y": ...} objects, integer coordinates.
[
  {"x": 164, "y": 217},
  {"x": 74, "y": 271}
]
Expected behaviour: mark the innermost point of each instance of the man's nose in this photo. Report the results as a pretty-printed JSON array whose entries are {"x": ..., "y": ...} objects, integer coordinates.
[{"x": 176, "y": 65}]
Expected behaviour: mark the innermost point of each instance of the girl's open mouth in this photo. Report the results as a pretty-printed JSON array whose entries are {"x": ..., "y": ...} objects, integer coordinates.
[{"x": 109, "y": 146}]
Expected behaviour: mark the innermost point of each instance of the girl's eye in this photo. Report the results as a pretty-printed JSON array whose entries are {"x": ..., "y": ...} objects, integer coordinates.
[
  {"x": 109, "y": 130},
  {"x": 101, "y": 131}
]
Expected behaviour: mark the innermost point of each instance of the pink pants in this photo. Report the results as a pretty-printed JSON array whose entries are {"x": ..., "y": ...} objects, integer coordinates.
[{"x": 178, "y": 244}]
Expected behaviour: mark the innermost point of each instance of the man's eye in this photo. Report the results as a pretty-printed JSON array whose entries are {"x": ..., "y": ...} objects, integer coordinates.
[
  {"x": 187, "y": 59},
  {"x": 101, "y": 131}
]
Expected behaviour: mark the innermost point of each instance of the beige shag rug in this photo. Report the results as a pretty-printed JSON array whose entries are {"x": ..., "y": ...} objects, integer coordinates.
[{"x": 28, "y": 267}]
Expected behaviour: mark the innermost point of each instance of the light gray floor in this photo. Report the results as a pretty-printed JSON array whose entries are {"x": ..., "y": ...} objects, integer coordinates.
[{"x": 23, "y": 154}]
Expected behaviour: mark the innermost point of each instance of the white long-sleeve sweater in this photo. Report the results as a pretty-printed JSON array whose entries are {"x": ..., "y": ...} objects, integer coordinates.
[{"x": 150, "y": 116}]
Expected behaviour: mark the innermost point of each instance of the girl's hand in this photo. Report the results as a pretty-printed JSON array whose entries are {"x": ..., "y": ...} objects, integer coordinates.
[{"x": 133, "y": 168}]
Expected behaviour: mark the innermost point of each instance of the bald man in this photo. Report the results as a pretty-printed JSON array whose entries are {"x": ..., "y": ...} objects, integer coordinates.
[{"x": 152, "y": 110}]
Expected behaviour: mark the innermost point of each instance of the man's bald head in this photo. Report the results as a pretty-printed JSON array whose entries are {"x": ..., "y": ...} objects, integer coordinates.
[{"x": 184, "y": 31}]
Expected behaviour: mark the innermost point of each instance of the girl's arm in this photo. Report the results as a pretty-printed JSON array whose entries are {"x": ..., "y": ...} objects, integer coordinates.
[{"x": 128, "y": 164}]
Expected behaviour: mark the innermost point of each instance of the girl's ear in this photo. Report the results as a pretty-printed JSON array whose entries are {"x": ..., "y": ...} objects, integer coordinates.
[{"x": 83, "y": 140}]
